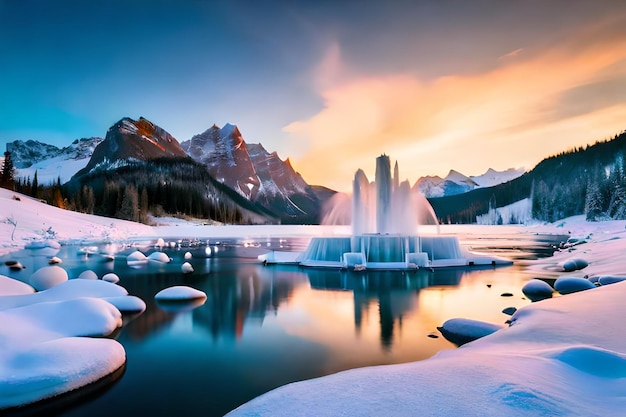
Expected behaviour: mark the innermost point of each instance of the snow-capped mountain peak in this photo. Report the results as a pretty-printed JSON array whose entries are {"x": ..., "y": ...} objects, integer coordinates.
[{"x": 458, "y": 183}]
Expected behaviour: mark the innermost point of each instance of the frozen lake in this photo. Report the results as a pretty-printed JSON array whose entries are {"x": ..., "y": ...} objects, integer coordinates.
[{"x": 265, "y": 326}]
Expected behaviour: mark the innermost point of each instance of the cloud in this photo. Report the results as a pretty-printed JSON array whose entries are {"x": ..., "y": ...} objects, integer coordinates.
[{"x": 510, "y": 116}]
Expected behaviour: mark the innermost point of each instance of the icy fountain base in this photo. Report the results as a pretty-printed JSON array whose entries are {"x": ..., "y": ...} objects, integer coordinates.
[{"x": 382, "y": 252}]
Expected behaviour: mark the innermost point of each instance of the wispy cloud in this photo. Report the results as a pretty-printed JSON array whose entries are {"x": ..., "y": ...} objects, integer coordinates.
[{"x": 506, "y": 117}]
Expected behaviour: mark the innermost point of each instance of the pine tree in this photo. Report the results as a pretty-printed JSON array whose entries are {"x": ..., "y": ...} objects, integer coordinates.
[
  {"x": 35, "y": 186},
  {"x": 593, "y": 201},
  {"x": 7, "y": 176}
]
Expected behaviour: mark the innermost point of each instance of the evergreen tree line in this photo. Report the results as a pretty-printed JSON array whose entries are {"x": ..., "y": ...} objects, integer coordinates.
[
  {"x": 177, "y": 186},
  {"x": 587, "y": 180}
]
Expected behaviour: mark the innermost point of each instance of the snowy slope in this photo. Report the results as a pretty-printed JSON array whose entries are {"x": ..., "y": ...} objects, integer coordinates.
[{"x": 50, "y": 162}]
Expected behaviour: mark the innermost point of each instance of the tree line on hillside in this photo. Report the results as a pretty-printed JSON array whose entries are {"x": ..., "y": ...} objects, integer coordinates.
[
  {"x": 166, "y": 186},
  {"x": 587, "y": 180}
]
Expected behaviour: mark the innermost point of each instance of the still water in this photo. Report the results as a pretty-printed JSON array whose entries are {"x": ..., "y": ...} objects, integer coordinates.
[{"x": 265, "y": 326}]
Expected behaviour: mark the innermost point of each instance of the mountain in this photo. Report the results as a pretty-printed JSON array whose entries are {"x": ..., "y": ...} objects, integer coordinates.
[
  {"x": 456, "y": 183},
  {"x": 139, "y": 168},
  {"x": 50, "y": 162},
  {"x": 254, "y": 173},
  {"x": 588, "y": 180},
  {"x": 131, "y": 139}
]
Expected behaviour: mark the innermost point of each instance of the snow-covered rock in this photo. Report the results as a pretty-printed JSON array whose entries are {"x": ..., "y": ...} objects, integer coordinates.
[
  {"x": 568, "y": 285},
  {"x": 47, "y": 277},
  {"x": 44, "y": 352},
  {"x": 159, "y": 257},
  {"x": 127, "y": 303},
  {"x": 186, "y": 268},
  {"x": 460, "y": 331},
  {"x": 574, "y": 264},
  {"x": 178, "y": 293},
  {"x": 111, "y": 277},
  {"x": 88, "y": 274},
  {"x": 536, "y": 290},
  {"x": 610, "y": 279}
]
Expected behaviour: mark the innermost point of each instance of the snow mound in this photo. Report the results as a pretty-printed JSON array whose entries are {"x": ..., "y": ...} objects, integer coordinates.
[
  {"x": 88, "y": 274},
  {"x": 574, "y": 265},
  {"x": 568, "y": 285},
  {"x": 136, "y": 256},
  {"x": 460, "y": 331},
  {"x": 536, "y": 290},
  {"x": 178, "y": 293},
  {"x": 110, "y": 277},
  {"x": 127, "y": 303},
  {"x": 593, "y": 360},
  {"x": 48, "y": 277},
  {"x": 159, "y": 257},
  {"x": 73, "y": 288},
  {"x": 186, "y": 268},
  {"x": 10, "y": 286},
  {"x": 608, "y": 280},
  {"x": 188, "y": 255}
]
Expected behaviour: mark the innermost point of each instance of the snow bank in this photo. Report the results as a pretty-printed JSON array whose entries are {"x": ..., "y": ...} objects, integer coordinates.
[
  {"x": 43, "y": 353},
  {"x": 24, "y": 221},
  {"x": 555, "y": 359},
  {"x": 560, "y": 356}
]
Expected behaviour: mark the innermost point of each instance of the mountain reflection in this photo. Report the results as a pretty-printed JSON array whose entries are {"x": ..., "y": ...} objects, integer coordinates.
[{"x": 241, "y": 294}]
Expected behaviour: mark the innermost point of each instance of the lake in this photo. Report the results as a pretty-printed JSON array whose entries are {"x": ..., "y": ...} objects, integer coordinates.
[{"x": 265, "y": 326}]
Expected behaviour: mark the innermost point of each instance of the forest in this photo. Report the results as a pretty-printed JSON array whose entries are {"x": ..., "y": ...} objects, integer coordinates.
[{"x": 587, "y": 180}]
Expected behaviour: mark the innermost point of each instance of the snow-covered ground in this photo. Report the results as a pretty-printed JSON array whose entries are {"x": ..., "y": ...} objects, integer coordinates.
[{"x": 561, "y": 356}]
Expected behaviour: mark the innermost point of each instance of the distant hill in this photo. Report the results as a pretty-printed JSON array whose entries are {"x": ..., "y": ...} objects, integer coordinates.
[{"x": 589, "y": 180}]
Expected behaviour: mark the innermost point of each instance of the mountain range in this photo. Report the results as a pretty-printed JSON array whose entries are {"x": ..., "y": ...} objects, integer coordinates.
[
  {"x": 457, "y": 183},
  {"x": 243, "y": 175}
]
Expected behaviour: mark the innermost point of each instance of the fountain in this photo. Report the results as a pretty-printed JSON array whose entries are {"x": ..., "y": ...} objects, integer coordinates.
[{"x": 385, "y": 218}]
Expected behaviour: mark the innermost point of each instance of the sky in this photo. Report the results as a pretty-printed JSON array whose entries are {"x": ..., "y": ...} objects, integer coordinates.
[{"x": 436, "y": 85}]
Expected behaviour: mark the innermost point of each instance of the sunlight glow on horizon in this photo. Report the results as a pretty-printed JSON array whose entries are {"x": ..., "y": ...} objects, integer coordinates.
[{"x": 524, "y": 110}]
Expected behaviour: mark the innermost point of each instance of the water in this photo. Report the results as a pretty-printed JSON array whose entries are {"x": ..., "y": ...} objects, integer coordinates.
[{"x": 265, "y": 326}]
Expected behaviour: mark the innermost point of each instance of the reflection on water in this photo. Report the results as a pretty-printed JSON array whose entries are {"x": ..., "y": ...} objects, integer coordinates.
[{"x": 264, "y": 326}]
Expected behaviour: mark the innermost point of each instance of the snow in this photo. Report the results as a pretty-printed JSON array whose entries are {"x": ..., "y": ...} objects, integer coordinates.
[
  {"x": 50, "y": 170},
  {"x": 186, "y": 268},
  {"x": 568, "y": 285},
  {"x": 88, "y": 274},
  {"x": 159, "y": 257},
  {"x": 461, "y": 331},
  {"x": 47, "y": 277},
  {"x": 179, "y": 292},
  {"x": 44, "y": 352},
  {"x": 561, "y": 356},
  {"x": 10, "y": 286},
  {"x": 536, "y": 290}
]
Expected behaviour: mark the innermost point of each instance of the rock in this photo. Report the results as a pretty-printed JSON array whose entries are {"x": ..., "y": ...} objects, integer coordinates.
[
  {"x": 536, "y": 290},
  {"x": 186, "y": 268},
  {"x": 179, "y": 293},
  {"x": 54, "y": 260},
  {"x": 506, "y": 294},
  {"x": 159, "y": 257},
  {"x": 460, "y": 331},
  {"x": 509, "y": 311},
  {"x": 608, "y": 280},
  {"x": 433, "y": 335},
  {"x": 14, "y": 265},
  {"x": 568, "y": 285},
  {"x": 574, "y": 265}
]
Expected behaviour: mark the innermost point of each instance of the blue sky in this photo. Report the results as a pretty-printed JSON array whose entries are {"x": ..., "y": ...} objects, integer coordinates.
[{"x": 436, "y": 85}]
